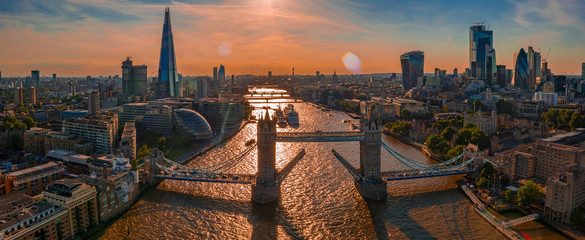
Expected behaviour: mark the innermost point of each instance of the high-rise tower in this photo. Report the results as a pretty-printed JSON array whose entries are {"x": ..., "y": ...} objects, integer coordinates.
[
  {"x": 482, "y": 60},
  {"x": 169, "y": 84},
  {"x": 133, "y": 79},
  {"x": 413, "y": 65},
  {"x": 533, "y": 67},
  {"x": 521, "y": 70}
]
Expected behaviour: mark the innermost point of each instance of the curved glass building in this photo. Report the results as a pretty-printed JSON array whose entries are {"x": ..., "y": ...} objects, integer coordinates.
[
  {"x": 192, "y": 124},
  {"x": 521, "y": 70}
]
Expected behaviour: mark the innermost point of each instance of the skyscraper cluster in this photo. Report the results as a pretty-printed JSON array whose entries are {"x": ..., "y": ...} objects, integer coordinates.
[{"x": 168, "y": 83}]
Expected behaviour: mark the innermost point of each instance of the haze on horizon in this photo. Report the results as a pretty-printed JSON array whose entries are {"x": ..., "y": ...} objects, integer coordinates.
[{"x": 79, "y": 38}]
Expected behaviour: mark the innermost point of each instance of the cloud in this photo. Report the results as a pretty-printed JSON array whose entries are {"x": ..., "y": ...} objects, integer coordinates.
[
  {"x": 47, "y": 15},
  {"x": 567, "y": 13}
]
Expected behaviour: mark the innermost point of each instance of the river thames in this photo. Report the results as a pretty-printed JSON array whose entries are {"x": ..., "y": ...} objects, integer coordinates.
[{"x": 318, "y": 198}]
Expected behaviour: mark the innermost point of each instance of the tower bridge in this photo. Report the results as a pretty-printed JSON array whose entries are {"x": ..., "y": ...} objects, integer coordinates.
[{"x": 369, "y": 180}]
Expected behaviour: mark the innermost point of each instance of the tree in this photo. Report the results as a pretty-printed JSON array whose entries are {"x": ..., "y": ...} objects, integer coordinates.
[
  {"x": 405, "y": 114},
  {"x": 437, "y": 145},
  {"x": 510, "y": 195},
  {"x": 577, "y": 121},
  {"x": 482, "y": 183},
  {"x": 447, "y": 134},
  {"x": 455, "y": 151},
  {"x": 469, "y": 125},
  {"x": 142, "y": 152},
  {"x": 29, "y": 122},
  {"x": 487, "y": 171},
  {"x": 505, "y": 107},
  {"x": 478, "y": 105},
  {"x": 529, "y": 194},
  {"x": 464, "y": 136},
  {"x": 401, "y": 128},
  {"x": 16, "y": 141}
]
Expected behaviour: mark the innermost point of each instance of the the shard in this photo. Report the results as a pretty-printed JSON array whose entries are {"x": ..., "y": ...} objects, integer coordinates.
[{"x": 169, "y": 84}]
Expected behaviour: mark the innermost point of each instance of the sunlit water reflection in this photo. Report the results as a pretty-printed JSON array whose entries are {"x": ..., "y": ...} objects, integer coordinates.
[{"x": 318, "y": 200}]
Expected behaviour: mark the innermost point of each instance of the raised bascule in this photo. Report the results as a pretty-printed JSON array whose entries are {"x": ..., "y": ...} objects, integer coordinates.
[{"x": 370, "y": 181}]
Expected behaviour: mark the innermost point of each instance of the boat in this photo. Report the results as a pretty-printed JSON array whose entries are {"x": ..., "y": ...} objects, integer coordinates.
[
  {"x": 281, "y": 121},
  {"x": 250, "y": 142},
  {"x": 293, "y": 117}
]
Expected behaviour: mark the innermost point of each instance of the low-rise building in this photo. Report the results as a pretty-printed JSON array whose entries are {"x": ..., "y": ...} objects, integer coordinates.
[
  {"x": 101, "y": 130},
  {"x": 24, "y": 217},
  {"x": 565, "y": 192},
  {"x": 34, "y": 140},
  {"x": 33, "y": 180},
  {"x": 488, "y": 124},
  {"x": 80, "y": 201},
  {"x": 128, "y": 140}
]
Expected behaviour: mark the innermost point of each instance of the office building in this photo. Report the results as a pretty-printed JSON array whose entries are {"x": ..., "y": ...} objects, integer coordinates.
[
  {"x": 215, "y": 74},
  {"x": 25, "y": 96},
  {"x": 100, "y": 130},
  {"x": 168, "y": 84},
  {"x": 54, "y": 77},
  {"x": 34, "y": 140},
  {"x": 115, "y": 193},
  {"x": 32, "y": 219},
  {"x": 533, "y": 67},
  {"x": 202, "y": 87},
  {"x": 482, "y": 60},
  {"x": 521, "y": 70},
  {"x": 80, "y": 201},
  {"x": 550, "y": 98},
  {"x": 222, "y": 112},
  {"x": 583, "y": 71},
  {"x": 133, "y": 79},
  {"x": 192, "y": 124},
  {"x": 544, "y": 160},
  {"x": 501, "y": 75},
  {"x": 564, "y": 193},
  {"x": 128, "y": 140},
  {"x": 221, "y": 75},
  {"x": 35, "y": 77},
  {"x": 412, "y": 68},
  {"x": 94, "y": 102},
  {"x": 32, "y": 181}
]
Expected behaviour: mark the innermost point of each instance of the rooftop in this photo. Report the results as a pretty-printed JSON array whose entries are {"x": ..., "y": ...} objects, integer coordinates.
[{"x": 32, "y": 169}]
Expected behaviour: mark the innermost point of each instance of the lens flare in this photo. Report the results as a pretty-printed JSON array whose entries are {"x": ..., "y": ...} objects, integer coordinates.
[
  {"x": 224, "y": 49},
  {"x": 352, "y": 62}
]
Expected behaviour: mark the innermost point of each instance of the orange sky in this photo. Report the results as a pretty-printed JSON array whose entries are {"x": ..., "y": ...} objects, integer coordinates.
[{"x": 265, "y": 35}]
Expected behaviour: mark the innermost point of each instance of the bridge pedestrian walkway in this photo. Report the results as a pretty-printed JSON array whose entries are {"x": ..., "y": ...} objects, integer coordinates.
[{"x": 503, "y": 227}]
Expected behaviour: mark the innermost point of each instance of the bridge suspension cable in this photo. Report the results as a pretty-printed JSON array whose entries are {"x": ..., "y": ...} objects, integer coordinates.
[
  {"x": 418, "y": 165},
  {"x": 225, "y": 165}
]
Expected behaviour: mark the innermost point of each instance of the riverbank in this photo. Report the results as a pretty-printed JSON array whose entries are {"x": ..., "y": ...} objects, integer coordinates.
[{"x": 413, "y": 143}]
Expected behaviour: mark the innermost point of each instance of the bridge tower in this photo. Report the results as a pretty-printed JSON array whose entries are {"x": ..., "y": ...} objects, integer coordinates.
[
  {"x": 265, "y": 189},
  {"x": 372, "y": 186},
  {"x": 150, "y": 166}
]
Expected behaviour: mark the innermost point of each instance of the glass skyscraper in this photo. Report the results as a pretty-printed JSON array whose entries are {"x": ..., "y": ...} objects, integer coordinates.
[
  {"x": 482, "y": 56},
  {"x": 413, "y": 65},
  {"x": 169, "y": 84},
  {"x": 533, "y": 67},
  {"x": 521, "y": 70},
  {"x": 221, "y": 75}
]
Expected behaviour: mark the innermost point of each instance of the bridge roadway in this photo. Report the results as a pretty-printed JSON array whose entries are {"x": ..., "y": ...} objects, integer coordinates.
[
  {"x": 217, "y": 178},
  {"x": 413, "y": 174},
  {"x": 319, "y": 136}
]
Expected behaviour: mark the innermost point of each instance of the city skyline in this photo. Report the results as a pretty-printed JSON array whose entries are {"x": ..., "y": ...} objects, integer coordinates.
[{"x": 79, "y": 39}]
